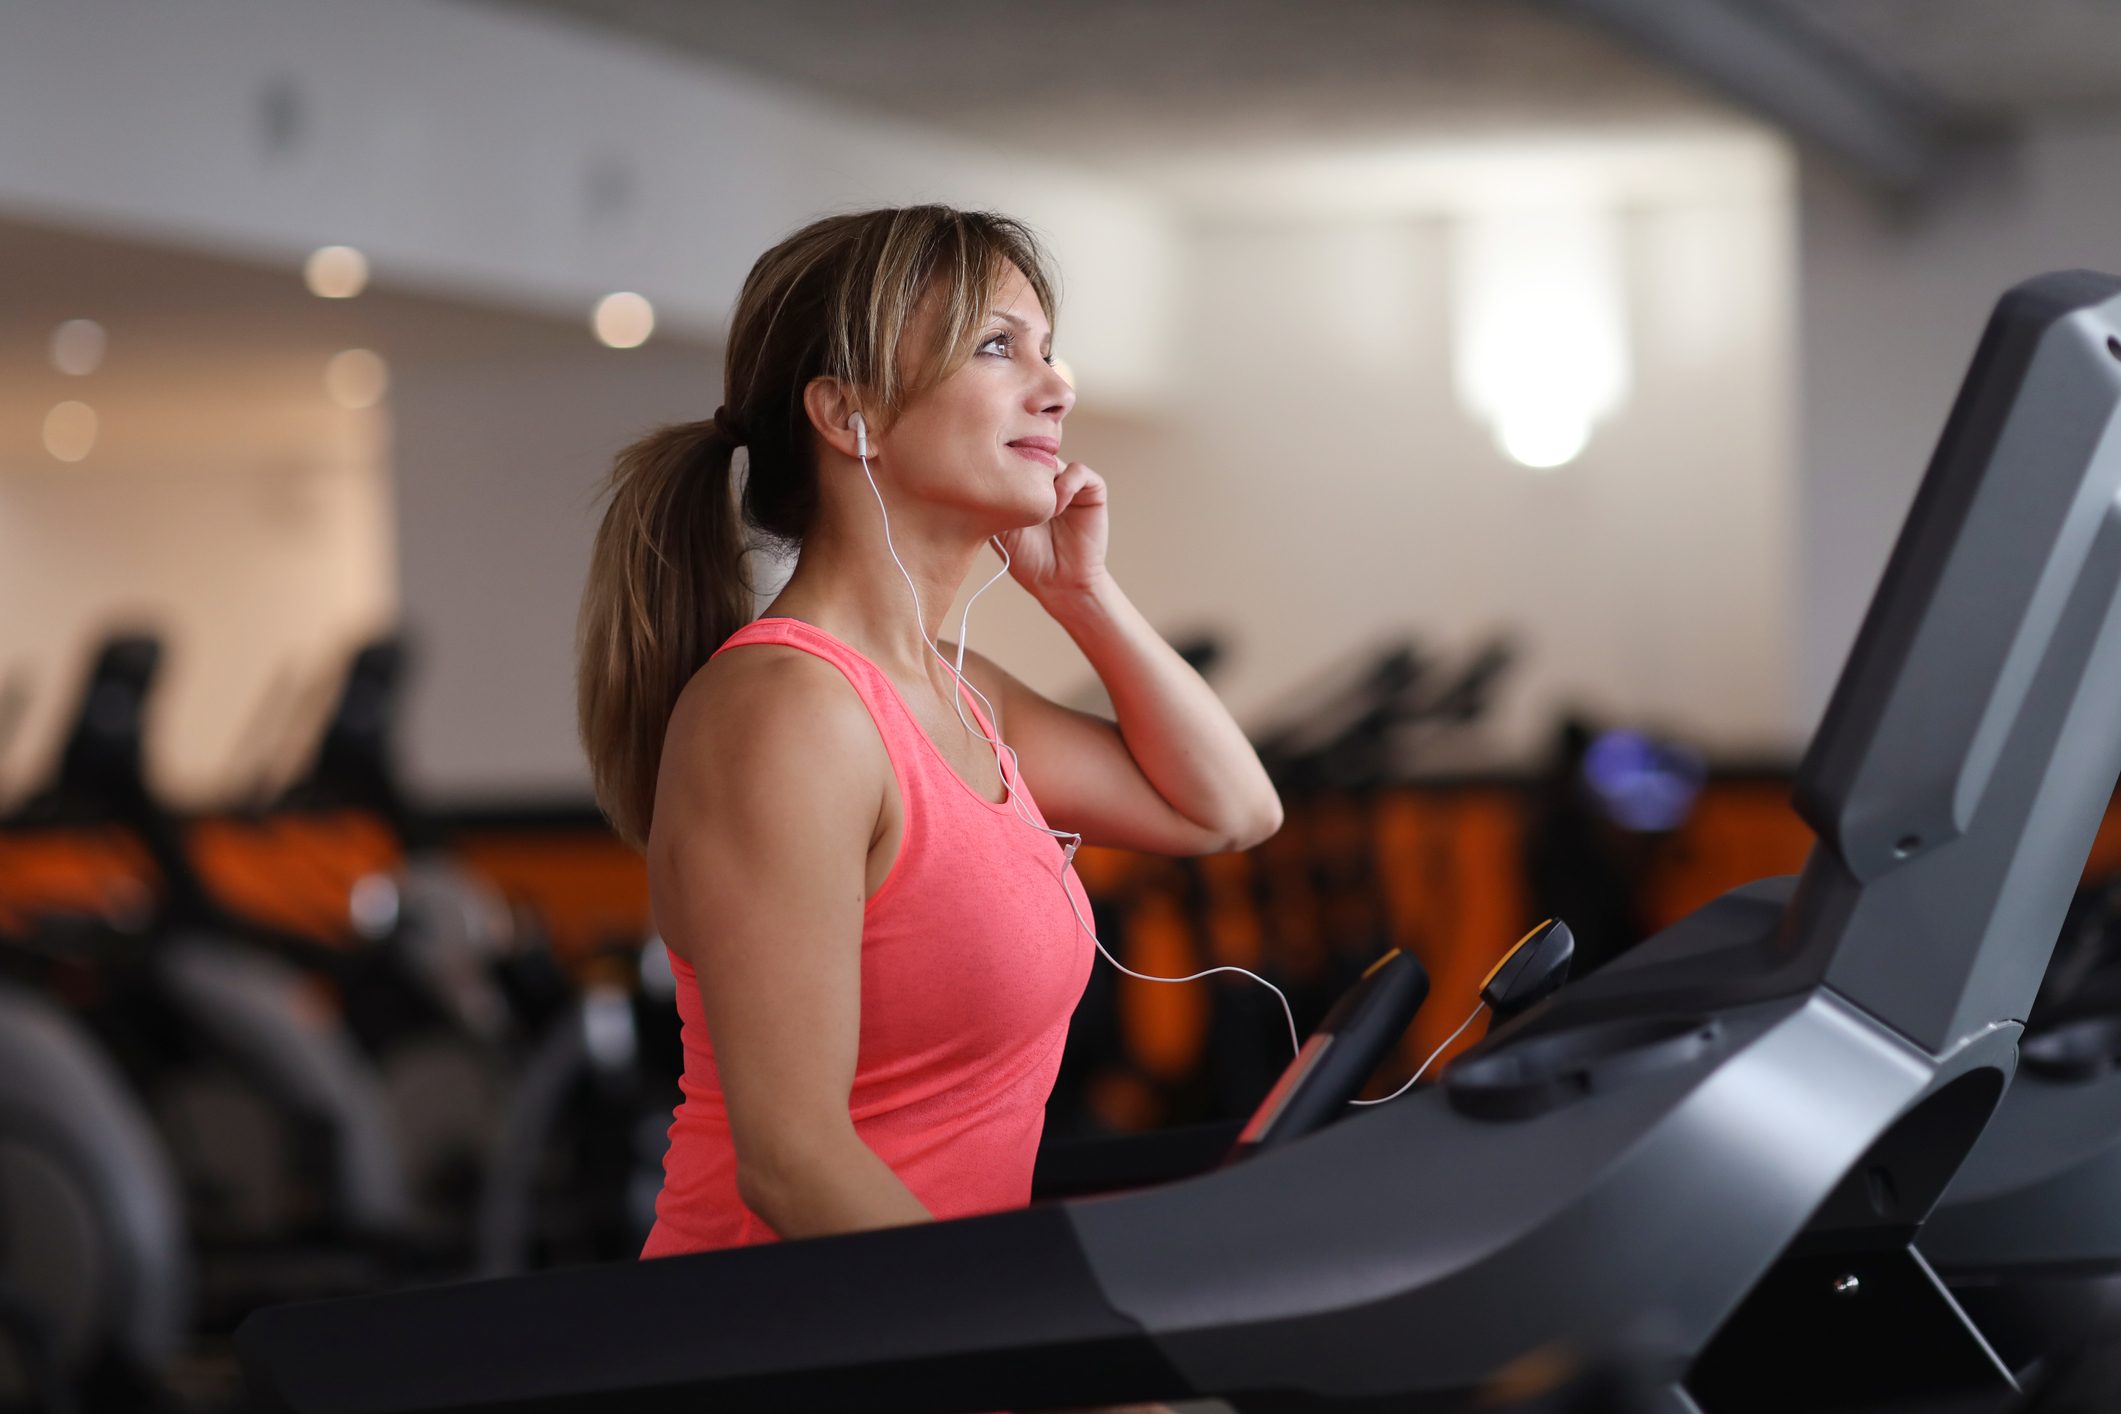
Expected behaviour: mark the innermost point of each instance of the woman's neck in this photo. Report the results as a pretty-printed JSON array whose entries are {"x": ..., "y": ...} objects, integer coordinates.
[{"x": 873, "y": 613}]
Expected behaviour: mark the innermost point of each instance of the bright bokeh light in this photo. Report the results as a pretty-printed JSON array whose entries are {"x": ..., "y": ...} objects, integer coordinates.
[
  {"x": 70, "y": 431},
  {"x": 77, "y": 347},
  {"x": 336, "y": 272},
  {"x": 356, "y": 378},
  {"x": 1643, "y": 784},
  {"x": 1539, "y": 330},
  {"x": 623, "y": 320},
  {"x": 1542, "y": 438},
  {"x": 374, "y": 905}
]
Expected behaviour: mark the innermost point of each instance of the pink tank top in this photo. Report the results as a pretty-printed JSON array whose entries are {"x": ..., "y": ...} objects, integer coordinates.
[{"x": 972, "y": 964}]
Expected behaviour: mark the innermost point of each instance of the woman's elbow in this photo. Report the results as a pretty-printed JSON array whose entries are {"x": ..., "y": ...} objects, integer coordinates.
[
  {"x": 1258, "y": 830},
  {"x": 768, "y": 1173},
  {"x": 758, "y": 1191}
]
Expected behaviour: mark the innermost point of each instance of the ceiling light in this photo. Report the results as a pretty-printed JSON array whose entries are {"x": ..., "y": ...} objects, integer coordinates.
[
  {"x": 356, "y": 378},
  {"x": 1542, "y": 438},
  {"x": 77, "y": 347},
  {"x": 623, "y": 320},
  {"x": 70, "y": 431},
  {"x": 336, "y": 272},
  {"x": 1538, "y": 328}
]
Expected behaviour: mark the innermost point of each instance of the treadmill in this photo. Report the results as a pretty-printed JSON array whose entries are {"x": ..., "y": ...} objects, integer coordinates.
[{"x": 1712, "y": 1159}]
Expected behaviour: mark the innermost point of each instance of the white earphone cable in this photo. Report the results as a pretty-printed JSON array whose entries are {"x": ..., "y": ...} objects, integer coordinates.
[
  {"x": 1012, "y": 771},
  {"x": 1430, "y": 1061},
  {"x": 1073, "y": 841}
]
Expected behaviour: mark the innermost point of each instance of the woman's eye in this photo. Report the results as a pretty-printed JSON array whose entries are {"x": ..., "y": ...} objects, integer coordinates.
[{"x": 1003, "y": 338}]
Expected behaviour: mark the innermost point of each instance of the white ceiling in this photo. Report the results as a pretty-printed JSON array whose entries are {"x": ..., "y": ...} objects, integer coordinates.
[
  {"x": 1138, "y": 86},
  {"x": 1131, "y": 86},
  {"x": 1181, "y": 91},
  {"x": 1988, "y": 58}
]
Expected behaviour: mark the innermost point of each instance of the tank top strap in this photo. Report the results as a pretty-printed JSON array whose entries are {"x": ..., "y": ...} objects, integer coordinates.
[
  {"x": 924, "y": 777},
  {"x": 868, "y": 681}
]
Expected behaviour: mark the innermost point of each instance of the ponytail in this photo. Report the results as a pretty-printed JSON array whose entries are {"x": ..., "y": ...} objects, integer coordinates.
[{"x": 666, "y": 586}]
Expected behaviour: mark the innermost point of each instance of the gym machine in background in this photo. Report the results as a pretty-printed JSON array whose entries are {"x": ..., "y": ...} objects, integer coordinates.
[{"x": 253, "y": 1055}]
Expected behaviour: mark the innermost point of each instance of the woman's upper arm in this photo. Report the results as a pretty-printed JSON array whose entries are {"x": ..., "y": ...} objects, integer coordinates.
[{"x": 767, "y": 802}]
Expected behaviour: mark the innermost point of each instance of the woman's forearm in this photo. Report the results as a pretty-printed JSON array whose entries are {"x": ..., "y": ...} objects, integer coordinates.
[
  {"x": 838, "y": 1186},
  {"x": 1178, "y": 731}
]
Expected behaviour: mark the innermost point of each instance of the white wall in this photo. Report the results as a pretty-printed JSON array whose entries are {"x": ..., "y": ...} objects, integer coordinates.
[
  {"x": 1318, "y": 488},
  {"x": 1893, "y": 304},
  {"x": 1263, "y": 379},
  {"x": 459, "y": 145},
  {"x": 261, "y": 555},
  {"x": 1310, "y": 486},
  {"x": 1266, "y": 391},
  {"x": 498, "y": 465}
]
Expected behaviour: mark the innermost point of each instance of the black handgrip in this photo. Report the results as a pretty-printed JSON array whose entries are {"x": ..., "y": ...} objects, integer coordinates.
[
  {"x": 1340, "y": 1055},
  {"x": 1537, "y": 964}
]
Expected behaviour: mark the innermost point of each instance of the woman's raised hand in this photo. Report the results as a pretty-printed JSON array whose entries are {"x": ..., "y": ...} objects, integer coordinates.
[{"x": 1065, "y": 554}]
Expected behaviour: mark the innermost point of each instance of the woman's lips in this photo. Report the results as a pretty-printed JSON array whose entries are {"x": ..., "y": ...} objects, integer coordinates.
[{"x": 1045, "y": 459}]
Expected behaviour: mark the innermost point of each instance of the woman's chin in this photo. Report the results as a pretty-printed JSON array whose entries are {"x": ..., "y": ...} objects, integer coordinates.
[
  {"x": 1023, "y": 508},
  {"x": 1036, "y": 512}
]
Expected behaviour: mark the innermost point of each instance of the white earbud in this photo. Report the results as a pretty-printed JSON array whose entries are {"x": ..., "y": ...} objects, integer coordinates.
[{"x": 861, "y": 435}]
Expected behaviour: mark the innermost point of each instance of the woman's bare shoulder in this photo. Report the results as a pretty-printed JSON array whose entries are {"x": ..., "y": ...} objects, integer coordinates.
[
  {"x": 770, "y": 786},
  {"x": 769, "y": 705},
  {"x": 757, "y": 670}
]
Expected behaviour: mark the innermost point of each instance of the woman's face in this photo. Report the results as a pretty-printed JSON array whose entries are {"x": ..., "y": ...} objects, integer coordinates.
[{"x": 951, "y": 445}]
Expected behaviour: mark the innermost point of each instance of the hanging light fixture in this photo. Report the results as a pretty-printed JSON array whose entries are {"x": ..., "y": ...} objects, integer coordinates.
[
  {"x": 356, "y": 378},
  {"x": 70, "y": 431},
  {"x": 77, "y": 347},
  {"x": 335, "y": 272},
  {"x": 1539, "y": 327},
  {"x": 623, "y": 320}
]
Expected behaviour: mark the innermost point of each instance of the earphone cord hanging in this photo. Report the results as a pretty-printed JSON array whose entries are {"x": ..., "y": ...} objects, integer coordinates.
[
  {"x": 1430, "y": 1061},
  {"x": 1074, "y": 841}
]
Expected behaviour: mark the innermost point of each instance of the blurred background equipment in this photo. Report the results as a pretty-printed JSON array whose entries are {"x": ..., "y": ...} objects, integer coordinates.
[
  {"x": 95, "y": 1280},
  {"x": 208, "y": 1014}
]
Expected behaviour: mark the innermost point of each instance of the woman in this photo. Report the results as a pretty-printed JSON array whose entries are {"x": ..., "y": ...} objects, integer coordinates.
[{"x": 877, "y": 936}]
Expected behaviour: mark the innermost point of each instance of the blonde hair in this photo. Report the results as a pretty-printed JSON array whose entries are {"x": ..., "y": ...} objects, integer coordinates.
[{"x": 667, "y": 581}]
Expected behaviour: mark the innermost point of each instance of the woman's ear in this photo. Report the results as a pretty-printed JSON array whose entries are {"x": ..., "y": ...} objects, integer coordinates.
[{"x": 831, "y": 412}]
